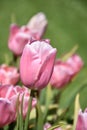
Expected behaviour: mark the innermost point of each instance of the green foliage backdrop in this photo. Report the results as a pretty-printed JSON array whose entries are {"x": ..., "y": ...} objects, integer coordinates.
[{"x": 67, "y": 26}]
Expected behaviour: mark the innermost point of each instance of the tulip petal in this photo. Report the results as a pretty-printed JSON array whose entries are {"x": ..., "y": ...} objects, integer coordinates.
[
  {"x": 38, "y": 24},
  {"x": 28, "y": 65},
  {"x": 37, "y": 62},
  {"x": 6, "y": 111},
  {"x": 13, "y": 29},
  {"x": 43, "y": 79}
]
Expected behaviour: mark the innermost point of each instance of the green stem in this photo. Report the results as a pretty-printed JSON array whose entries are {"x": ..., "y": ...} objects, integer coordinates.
[
  {"x": 21, "y": 115},
  {"x": 39, "y": 116},
  {"x": 48, "y": 101},
  {"x": 17, "y": 108},
  {"x": 29, "y": 110}
]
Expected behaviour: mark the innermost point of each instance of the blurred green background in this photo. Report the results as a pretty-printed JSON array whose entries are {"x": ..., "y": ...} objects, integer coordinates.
[{"x": 67, "y": 26}]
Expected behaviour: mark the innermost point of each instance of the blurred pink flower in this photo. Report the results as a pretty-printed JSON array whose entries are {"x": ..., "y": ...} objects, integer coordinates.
[
  {"x": 20, "y": 36},
  {"x": 48, "y": 125},
  {"x": 24, "y": 91},
  {"x": 8, "y": 103},
  {"x": 36, "y": 64},
  {"x": 37, "y": 24},
  {"x": 8, "y": 75},
  {"x": 64, "y": 71},
  {"x": 62, "y": 74},
  {"x": 75, "y": 62},
  {"x": 82, "y": 120},
  {"x": 8, "y": 100}
]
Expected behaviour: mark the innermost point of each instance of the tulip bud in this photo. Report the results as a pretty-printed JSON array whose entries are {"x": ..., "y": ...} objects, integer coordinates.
[
  {"x": 82, "y": 120},
  {"x": 76, "y": 63},
  {"x": 64, "y": 71},
  {"x": 8, "y": 103},
  {"x": 8, "y": 75},
  {"x": 36, "y": 64},
  {"x": 18, "y": 38},
  {"x": 37, "y": 24},
  {"x": 61, "y": 75}
]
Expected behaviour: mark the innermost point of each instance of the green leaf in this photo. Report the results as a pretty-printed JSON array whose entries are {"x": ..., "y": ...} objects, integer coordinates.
[
  {"x": 70, "y": 53},
  {"x": 6, "y": 127},
  {"x": 13, "y": 18},
  {"x": 70, "y": 91},
  {"x": 56, "y": 126},
  {"x": 76, "y": 110},
  {"x": 47, "y": 100}
]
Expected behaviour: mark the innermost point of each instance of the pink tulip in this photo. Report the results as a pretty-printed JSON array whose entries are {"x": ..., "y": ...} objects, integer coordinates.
[
  {"x": 8, "y": 103},
  {"x": 62, "y": 74},
  {"x": 25, "y": 91},
  {"x": 8, "y": 75},
  {"x": 76, "y": 63},
  {"x": 20, "y": 36},
  {"x": 38, "y": 24},
  {"x": 36, "y": 64},
  {"x": 82, "y": 120}
]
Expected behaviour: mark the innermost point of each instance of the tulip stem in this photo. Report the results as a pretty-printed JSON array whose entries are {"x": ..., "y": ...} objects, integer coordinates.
[
  {"x": 17, "y": 108},
  {"x": 21, "y": 115},
  {"x": 39, "y": 114},
  {"x": 39, "y": 117},
  {"x": 29, "y": 110},
  {"x": 14, "y": 58}
]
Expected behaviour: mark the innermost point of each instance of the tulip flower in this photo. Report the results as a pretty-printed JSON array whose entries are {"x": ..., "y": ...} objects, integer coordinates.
[
  {"x": 36, "y": 64},
  {"x": 37, "y": 24},
  {"x": 24, "y": 91},
  {"x": 82, "y": 120},
  {"x": 75, "y": 62},
  {"x": 8, "y": 75},
  {"x": 20, "y": 36},
  {"x": 8, "y": 103},
  {"x": 62, "y": 74}
]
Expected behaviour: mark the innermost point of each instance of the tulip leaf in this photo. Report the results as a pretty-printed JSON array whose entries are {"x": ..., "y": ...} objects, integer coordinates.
[
  {"x": 76, "y": 110},
  {"x": 70, "y": 53},
  {"x": 69, "y": 93},
  {"x": 6, "y": 127},
  {"x": 61, "y": 124},
  {"x": 48, "y": 100},
  {"x": 13, "y": 18}
]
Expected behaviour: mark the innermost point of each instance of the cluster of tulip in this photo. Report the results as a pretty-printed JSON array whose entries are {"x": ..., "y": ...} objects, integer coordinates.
[{"x": 38, "y": 68}]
